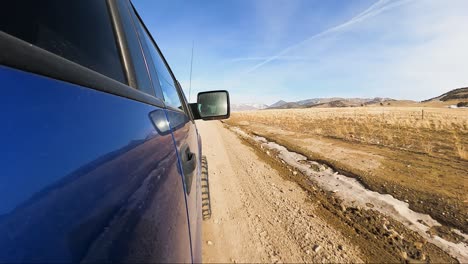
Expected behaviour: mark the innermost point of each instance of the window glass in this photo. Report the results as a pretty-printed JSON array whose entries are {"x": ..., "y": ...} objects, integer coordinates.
[
  {"x": 164, "y": 77},
  {"x": 139, "y": 64},
  {"x": 148, "y": 56},
  {"x": 79, "y": 31}
]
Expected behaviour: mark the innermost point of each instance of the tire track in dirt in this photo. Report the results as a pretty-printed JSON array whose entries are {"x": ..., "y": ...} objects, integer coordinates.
[
  {"x": 258, "y": 216},
  {"x": 380, "y": 238}
]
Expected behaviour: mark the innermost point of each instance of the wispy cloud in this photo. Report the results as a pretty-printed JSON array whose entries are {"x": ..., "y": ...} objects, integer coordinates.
[
  {"x": 373, "y": 10},
  {"x": 392, "y": 48},
  {"x": 286, "y": 58}
]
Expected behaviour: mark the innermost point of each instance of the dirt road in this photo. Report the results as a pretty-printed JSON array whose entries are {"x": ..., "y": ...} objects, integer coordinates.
[{"x": 258, "y": 216}]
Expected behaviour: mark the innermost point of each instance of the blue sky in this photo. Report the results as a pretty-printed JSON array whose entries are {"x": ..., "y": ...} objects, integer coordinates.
[{"x": 266, "y": 50}]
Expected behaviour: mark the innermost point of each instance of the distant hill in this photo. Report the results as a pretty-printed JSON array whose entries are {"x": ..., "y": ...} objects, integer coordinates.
[
  {"x": 287, "y": 106},
  {"x": 336, "y": 103},
  {"x": 455, "y": 94},
  {"x": 278, "y": 104},
  {"x": 311, "y": 101},
  {"x": 247, "y": 107},
  {"x": 329, "y": 102}
]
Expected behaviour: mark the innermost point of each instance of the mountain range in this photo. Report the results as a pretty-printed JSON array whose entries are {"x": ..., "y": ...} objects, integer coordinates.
[
  {"x": 328, "y": 102},
  {"x": 247, "y": 107},
  {"x": 456, "y": 94},
  {"x": 313, "y": 102}
]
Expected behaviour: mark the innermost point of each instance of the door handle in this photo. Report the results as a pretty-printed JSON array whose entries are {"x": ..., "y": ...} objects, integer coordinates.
[{"x": 189, "y": 163}]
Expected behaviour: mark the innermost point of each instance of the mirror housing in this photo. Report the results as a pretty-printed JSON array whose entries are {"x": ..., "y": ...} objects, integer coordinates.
[{"x": 212, "y": 105}]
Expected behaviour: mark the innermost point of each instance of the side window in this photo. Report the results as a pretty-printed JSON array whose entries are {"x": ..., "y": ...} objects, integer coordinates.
[
  {"x": 141, "y": 71},
  {"x": 164, "y": 77},
  {"x": 146, "y": 50},
  {"x": 80, "y": 31}
]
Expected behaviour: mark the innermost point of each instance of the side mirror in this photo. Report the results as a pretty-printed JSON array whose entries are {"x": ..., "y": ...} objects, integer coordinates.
[{"x": 212, "y": 105}]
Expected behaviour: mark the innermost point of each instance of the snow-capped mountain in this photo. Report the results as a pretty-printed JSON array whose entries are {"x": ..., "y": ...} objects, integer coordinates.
[{"x": 247, "y": 107}]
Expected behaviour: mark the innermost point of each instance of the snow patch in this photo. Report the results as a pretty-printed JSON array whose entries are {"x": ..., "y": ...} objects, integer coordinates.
[{"x": 354, "y": 194}]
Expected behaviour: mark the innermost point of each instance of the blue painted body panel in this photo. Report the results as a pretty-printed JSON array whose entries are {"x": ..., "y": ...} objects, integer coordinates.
[
  {"x": 186, "y": 136},
  {"x": 87, "y": 177}
]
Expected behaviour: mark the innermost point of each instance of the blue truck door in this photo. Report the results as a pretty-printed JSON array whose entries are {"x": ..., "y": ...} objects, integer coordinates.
[
  {"x": 186, "y": 140},
  {"x": 86, "y": 176},
  {"x": 183, "y": 130},
  {"x": 90, "y": 171}
]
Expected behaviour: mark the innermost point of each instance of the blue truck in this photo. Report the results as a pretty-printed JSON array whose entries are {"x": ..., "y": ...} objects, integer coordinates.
[{"x": 101, "y": 160}]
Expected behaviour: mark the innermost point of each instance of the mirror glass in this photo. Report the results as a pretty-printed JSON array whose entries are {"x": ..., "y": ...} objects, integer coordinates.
[{"x": 213, "y": 104}]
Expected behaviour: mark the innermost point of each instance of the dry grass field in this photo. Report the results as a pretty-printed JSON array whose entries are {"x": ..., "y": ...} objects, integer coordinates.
[{"x": 419, "y": 155}]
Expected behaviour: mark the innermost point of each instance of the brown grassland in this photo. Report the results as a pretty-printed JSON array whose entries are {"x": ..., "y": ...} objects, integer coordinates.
[{"x": 416, "y": 154}]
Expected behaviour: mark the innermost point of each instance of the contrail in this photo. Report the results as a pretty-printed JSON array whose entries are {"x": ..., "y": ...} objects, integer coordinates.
[
  {"x": 265, "y": 58},
  {"x": 371, "y": 11},
  {"x": 370, "y": 8}
]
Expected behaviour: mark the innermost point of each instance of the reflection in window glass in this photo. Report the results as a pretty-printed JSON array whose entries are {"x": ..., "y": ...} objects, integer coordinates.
[
  {"x": 80, "y": 31},
  {"x": 171, "y": 97}
]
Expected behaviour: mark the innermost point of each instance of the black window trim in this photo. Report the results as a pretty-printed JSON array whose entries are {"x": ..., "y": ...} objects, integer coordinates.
[
  {"x": 122, "y": 45},
  {"x": 21, "y": 55}
]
